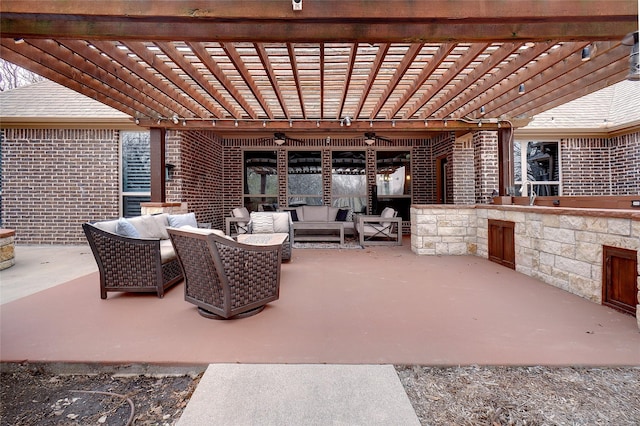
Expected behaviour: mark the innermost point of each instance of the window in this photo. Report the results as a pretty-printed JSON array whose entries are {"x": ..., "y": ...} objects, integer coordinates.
[
  {"x": 537, "y": 164},
  {"x": 393, "y": 182},
  {"x": 349, "y": 180},
  {"x": 260, "y": 180},
  {"x": 136, "y": 171},
  {"x": 304, "y": 178}
]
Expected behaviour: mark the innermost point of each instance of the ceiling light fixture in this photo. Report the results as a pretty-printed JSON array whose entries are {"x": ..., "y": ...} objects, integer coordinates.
[
  {"x": 426, "y": 123},
  {"x": 317, "y": 123},
  {"x": 18, "y": 40},
  {"x": 482, "y": 109},
  {"x": 184, "y": 122},
  {"x": 175, "y": 119},
  {"x": 290, "y": 123},
  {"x": 371, "y": 123},
  {"x": 369, "y": 138},
  {"x": 479, "y": 123},
  {"x": 347, "y": 121},
  {"x": 586, "y": 53},
  {"x": 137, "y": 121},
  {"x": 264, "y": 123},
  {"x": 279, "y": 138},
  {"x": 235, "y": 123},
  {"x": 213, "y": 123},
  {"x": 393, "y": 123},
  {"x": 521, "y": 89}
]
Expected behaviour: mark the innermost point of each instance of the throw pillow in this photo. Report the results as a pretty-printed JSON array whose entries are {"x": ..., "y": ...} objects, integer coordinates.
[
  {"x": 147, "y": 226},
  {"x": 162, "y": 220},
  {"x": 178, "y": 220},
  {"x": 261, "y": 223},
  {"x": 126, "y": 229},
  {"x": 294, "y": 215},
  {"x": 342, "y": 215}
]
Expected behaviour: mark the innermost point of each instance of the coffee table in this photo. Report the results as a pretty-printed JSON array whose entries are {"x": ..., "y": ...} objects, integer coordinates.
[{"x": 319, "y": 226}]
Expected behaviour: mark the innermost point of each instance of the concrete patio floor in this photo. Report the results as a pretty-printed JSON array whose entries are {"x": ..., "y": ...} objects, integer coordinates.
[{"x": 381, "y": 305}]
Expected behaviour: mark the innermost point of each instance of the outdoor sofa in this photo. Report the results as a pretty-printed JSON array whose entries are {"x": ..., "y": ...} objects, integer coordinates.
[
  {"x": 136, "y": 254},
  {"x": 317, "y": 223}
]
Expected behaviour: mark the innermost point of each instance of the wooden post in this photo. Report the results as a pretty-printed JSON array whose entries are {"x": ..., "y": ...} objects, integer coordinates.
[
  {"x": 158, "y": 174},
  {"x": 505, "y": 160}
]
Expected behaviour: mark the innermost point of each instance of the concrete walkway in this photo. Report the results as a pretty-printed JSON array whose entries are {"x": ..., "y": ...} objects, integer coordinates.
[
  {"x": 44, "y": 266},
  {"x": 281, "y": 395}
]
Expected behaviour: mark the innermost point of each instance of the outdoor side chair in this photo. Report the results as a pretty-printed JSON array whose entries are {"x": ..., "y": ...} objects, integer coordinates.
[
  {"x": 226, "y": 279},
  {"x": 385, "y": 229},
  {"x": 132, "y": 264}
]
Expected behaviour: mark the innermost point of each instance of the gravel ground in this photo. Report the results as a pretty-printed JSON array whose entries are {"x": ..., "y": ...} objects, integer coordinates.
[
  {"x": 523, "y": 395},
  {"x": 492, "y": 396}
]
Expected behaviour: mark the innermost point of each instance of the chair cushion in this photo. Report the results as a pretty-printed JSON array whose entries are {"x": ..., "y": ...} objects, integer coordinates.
[
  {"x": 167, "y": 252},
  {"x": 205, "y": 231},
  {"x": 178, "y": 220},
  {"x": 262, "y": 223},
  {"x": 126, "y": 229}
]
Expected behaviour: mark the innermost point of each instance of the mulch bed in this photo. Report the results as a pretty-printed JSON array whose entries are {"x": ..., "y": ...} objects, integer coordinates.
[{"x": 492, "y": 396}]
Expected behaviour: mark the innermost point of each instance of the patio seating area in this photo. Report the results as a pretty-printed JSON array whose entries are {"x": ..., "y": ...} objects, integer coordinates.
[{"x": 379, "y": 305}]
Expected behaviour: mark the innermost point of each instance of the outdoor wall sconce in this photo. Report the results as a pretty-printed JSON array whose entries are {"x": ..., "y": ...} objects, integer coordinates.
[
  {"x": 169, "y": 171},
  {"x": 279, "y": 139}
]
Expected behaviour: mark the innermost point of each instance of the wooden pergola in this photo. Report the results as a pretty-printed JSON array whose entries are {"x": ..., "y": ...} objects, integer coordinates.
[{"x": 349, "y": 66}]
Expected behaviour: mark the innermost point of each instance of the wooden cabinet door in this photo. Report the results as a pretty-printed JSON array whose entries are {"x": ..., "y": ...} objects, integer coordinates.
[
  {"x": 501, "y": 243},
  {"x": 619, "y": 276}
]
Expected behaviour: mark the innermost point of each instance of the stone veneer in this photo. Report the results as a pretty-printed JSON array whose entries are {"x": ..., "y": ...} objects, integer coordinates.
[{"x": 559, "y": 246}]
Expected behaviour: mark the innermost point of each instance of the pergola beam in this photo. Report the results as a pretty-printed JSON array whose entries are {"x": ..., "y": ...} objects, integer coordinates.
[{"x": 321, "y": 21}]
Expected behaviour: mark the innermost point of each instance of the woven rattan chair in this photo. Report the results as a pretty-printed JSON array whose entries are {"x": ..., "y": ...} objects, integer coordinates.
[
  {"x": 131, "y": 264},
  {"x": 226, "y": 279}
]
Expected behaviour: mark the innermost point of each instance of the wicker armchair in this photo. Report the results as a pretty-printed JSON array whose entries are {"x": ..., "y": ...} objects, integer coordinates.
[
  {"x": 226, "y": 279},
  {"x": 131, "y": 264}
]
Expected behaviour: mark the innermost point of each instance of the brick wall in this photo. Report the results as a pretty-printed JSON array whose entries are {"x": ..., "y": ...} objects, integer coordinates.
[
  {"x": 442, "y": 147},
  {"x": 199, "y": 174},
  {"x": 486, "y": 165},
  {"x": 597, "y": 166},
  {"x": 463, "y": 169},
  {"x": 56, "y": 179}
]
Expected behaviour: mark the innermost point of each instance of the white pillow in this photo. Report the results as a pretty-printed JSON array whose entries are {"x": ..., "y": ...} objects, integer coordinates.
[
  {"x": 147, "y": 226},
  {"x": 280, "y": 222},
  {"x": 261, "y": 223},
  {"x": 240, "y": 212}
]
